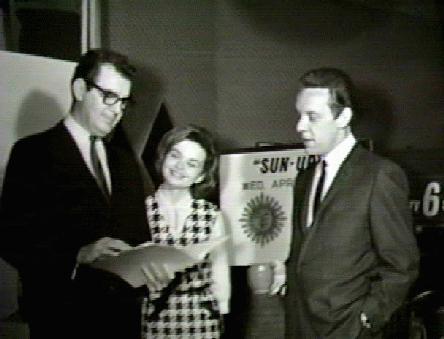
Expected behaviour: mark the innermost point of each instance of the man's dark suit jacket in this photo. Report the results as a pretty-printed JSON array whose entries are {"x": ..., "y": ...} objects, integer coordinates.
[
  {"x": 359, "y": 255},
  {"x": 51, "y": 206}
]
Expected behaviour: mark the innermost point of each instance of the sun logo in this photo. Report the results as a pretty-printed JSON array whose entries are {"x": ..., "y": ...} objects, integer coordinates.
[{"x": 262, "y": 219}]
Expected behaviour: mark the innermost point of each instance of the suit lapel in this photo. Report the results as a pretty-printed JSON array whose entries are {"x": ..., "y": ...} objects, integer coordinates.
[
  {"x": 65, "y": 148},
  {"x": 301, "y": 193},
  {"x": 341, "y": 178}
]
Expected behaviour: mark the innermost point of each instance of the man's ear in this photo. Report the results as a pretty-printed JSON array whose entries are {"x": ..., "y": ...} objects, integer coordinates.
[
  {"x": 79, "y": 89},
  {"x": 344, "y": 118}
]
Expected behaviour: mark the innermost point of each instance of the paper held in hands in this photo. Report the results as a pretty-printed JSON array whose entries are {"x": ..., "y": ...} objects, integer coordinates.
[{"x": 128, "y": 264}]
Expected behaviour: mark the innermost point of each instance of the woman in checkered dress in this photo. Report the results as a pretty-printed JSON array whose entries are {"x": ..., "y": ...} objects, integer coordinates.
[{"x": 192, "y": 304}]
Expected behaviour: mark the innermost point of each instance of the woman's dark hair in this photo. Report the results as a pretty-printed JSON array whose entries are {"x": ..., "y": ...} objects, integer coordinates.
[{"x": 200, "y": 135}]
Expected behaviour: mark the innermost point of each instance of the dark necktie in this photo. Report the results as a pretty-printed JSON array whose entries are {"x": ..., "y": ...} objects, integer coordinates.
[
  {"x": 319, "y": 188},
  {"x": 97, "y": 166}
]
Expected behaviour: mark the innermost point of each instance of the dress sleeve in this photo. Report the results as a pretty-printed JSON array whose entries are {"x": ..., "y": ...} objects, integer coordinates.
[{"x": 221, "y": 274}]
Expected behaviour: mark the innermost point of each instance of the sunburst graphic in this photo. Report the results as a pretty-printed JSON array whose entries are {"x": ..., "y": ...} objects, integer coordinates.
[{"x": 262, "y": 219}]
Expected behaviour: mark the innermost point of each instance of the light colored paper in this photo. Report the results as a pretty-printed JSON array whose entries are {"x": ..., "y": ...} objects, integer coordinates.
[{"x": 128, "y": 265}]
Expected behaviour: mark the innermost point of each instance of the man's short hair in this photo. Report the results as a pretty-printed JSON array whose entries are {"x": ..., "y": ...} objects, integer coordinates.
[
  {"x": 338, "y": 83},
  {"x": 90, "y": 62},
  {"x": 89, "y": 65}
]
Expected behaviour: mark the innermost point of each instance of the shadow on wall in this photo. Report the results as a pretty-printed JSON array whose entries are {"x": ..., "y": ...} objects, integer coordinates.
[
  {"x": 161, "y": 125},
  {"x": 38, "y": 112},
  {"x": 324, "y": 22},
  {"x": 224, "y": 142},
  {"x": 374, "y": 117},
  {"x": 147, "y": 90},
  {"x": 139, "y": 122}
]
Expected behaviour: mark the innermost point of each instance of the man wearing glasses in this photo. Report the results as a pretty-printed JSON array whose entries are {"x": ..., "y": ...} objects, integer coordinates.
[{"x": 68, "y": 199}]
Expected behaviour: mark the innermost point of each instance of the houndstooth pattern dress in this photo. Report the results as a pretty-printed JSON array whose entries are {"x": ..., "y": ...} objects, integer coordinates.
[{"x": 186, "y": 308}]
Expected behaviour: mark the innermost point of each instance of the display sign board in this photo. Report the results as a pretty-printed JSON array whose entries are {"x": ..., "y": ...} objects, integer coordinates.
[
  {"x": 425, "y": 173},
  {"x": 427, "y": 199},
  {"x": 256, "y": 190}
]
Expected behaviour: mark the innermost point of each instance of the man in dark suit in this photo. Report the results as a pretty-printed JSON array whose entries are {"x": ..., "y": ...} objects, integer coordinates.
[
  {"x": 70, "y": 198},
  {"x": 353, "y": 255}
]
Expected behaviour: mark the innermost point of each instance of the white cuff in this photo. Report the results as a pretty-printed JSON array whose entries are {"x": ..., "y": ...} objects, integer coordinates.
[
  {"x": 74, "y": 271},
  {"x": 224, "y": 308}
]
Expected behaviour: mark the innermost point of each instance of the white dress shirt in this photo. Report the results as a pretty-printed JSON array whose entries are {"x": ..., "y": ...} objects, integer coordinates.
[
  {"x": 334, "y": 160},
  {"x": 81, "y": 137}
]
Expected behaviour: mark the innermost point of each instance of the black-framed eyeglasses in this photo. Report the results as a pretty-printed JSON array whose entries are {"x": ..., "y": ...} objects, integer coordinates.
[{"x": 110, "y": 98}]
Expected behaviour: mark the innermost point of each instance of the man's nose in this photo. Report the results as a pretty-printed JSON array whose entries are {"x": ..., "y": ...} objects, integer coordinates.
[
  {"x": 117, "y": 107},
  {"x": 301, "y": 125}
]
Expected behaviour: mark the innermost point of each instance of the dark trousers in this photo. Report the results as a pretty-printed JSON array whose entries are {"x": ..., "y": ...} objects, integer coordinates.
[
  {"x": 50, "y": 319},
  {"x": 106, "y": 306},
  {"x": 111, "y": 318},
  {"x": 95, "y": 305}
]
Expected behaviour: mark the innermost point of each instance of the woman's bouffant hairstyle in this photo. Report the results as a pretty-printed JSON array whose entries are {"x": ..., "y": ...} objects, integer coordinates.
[{"x": 201, "y": 136}]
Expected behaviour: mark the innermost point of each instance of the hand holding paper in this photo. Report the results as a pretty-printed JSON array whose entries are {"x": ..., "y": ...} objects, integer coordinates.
[
  {"x": 103, "y": 247},
  {"x": 157, "y": 276},
  {"x": 154, "y": 258}
]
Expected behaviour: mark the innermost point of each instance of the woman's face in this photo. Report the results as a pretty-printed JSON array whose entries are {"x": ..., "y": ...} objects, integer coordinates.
[{"x": 183, "y": 164}]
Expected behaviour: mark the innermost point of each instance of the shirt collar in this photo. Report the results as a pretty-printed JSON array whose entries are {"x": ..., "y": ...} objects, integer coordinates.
[
  {"x": 338, "y": 154},
  {"x": 77, "y": 131}
]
